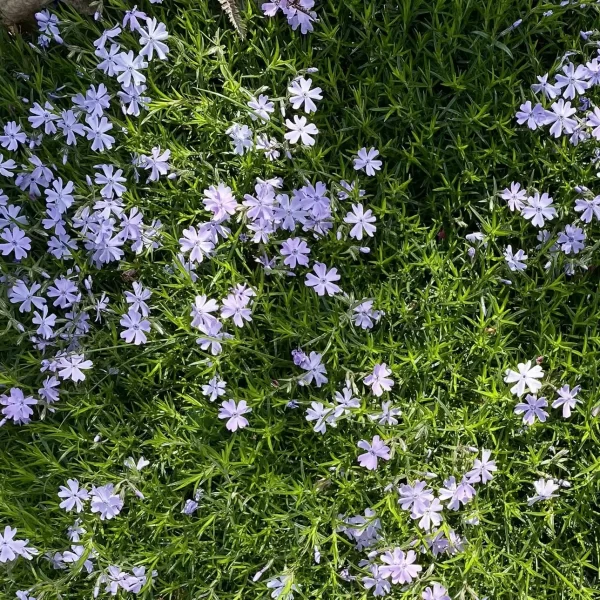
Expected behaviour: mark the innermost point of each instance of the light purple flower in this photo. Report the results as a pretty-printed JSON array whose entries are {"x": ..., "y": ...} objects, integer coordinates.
[
  {"x": 322, "y": 280},
  {"x": 374, "y": 450},
  {"x": 73, "y": 495},
  {"x": 295, "y": 251},
  {"x": 531, "y": 409},
  {"x": 135, "y": 327},
  {"x": 105, "y": 502},
  {"x": 366, "y": 160},
  {"x": 379, "y": 380},
  {"x": 233, "y": 413},
  {"x": 399, "y": 566},
  {"x": 567, "y": 398}
]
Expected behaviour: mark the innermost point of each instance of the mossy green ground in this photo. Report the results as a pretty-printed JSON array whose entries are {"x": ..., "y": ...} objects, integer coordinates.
[{"x": 434, "y": 85}]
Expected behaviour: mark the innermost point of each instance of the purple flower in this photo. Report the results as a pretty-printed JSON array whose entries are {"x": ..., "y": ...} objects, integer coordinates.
[
  {"x": 537, "y": 208},
  {"x": 516, "y": 261},
  {"x": 73, "y": 495},
  {"x": 530, "y": 409},
  {"x": 437, "y": 592},
  {"x": 561, "y": 118},
  {"x": 571, "y": 240},
  {"x": 72, "y": 367},
  {"x": 574, "y": 80},
  {"x": 482, "y": 469},
  {"x": 322, "y": 280},
  {"x": 152, "y": 39},
  {"x": 13, "y": 136},
  {"x": 567, "y": 398},
  {"x": 96, "y": 132},
  {"x": 415, "y": 497},
  {"x": 299, "y": 357},
  {"x": 11, "y": 548},
  {"x": 135, "y": 327},
  {"x": 375, "y": 450},
  {"x": 19, "y": 292},
  {"x": 16, "y": 406},
  {"x": 296, "y": 252},
  {"x": 365, "y": 160},
  {"x": 197, "y": 242},
  {"x": 515, "y": 196},
  {"x": 314, "y": 370},
  {"x": 399, "y": 566},
  {"x": 379, "y": 380},
  {"x": 15, "y": 241},
  {"x": 233, "y": 413},
  {"x": 220, "y": 201},
  {"x": 105, "y": 502}
]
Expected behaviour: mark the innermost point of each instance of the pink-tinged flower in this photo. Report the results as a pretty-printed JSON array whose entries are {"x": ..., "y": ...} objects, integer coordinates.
[
  {"x": 105, "y": 502},
  {"x": 220, "y": 201},
  {"x": 567, "y": 398},
  {"x": 135, "y": 327},
  {"x": 415, "y": 497},
  {"x": 73, "y": 495},
  {"x": 437, "y": 592},
  {"x": 532, "y": 408},
  {"x": 301, "y": 93},
  {"x": 379, "y": 380},
  {"x": 375, "y": 450},
  {"x": 300, "y": 129},
  {"x": 399, "y": 566},
  {"x": 482, "y": 469},
  {"x": 322, "y": 280},
  {"x": 233, "y": 413},
  {"x": 515, "y": 196},
  {"x": 366, "y": 160},
  {"x": 72, "y": 367},
  {"x": 197, "y": 242},
  {"x": 525, "y": 379}
]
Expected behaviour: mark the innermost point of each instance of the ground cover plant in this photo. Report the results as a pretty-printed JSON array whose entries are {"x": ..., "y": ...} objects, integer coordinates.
[{"x": 308, "y": 314}]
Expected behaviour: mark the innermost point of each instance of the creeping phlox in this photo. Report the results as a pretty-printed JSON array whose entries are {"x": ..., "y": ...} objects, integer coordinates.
[{"x": 562, "y": 109}]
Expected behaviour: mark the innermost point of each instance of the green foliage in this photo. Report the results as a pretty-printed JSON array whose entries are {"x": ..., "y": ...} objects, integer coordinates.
[{"x": 434, "y": 84}]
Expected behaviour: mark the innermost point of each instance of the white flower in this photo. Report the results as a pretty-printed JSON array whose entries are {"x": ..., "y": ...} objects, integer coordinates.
[
  {"x": 301, "y": 93},
  {"x": 73, "y": 495},
  {"x": 300, "y": 129},
  {"x": 515, "y": 261},
  {"x": 105, "y": 502},
  {"x": 525, "y": 379},
  {"x": 545, "y": 489}
]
